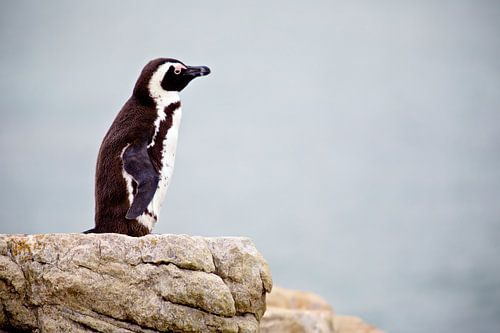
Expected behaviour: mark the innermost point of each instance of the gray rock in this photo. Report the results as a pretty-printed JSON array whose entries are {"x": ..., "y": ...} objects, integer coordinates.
[{"x": 116, "y": 283}]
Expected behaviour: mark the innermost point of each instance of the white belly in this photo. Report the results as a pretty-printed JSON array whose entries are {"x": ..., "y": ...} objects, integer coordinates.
[{"x": 167, "y": 169}]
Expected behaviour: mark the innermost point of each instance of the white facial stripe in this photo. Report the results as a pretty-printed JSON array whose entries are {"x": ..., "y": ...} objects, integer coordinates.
[{"x": 160, "y": 95}]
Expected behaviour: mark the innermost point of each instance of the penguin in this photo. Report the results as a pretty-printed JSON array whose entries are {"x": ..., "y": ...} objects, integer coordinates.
[{"x": 136, "y": 158}]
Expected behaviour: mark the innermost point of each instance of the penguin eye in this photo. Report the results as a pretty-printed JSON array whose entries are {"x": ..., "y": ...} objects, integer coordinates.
[{"x": 177, "y": 71}]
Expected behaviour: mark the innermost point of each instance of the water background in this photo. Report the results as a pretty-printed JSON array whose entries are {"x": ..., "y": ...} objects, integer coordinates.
[{"x": 356, "y": 142}]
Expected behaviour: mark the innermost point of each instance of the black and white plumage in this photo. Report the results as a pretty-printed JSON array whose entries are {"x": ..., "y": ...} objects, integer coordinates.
[{"x": 137, "y": 156}]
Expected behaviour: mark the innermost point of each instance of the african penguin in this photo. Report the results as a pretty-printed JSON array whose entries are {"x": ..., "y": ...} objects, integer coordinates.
[{"x": 136, "y": 158}]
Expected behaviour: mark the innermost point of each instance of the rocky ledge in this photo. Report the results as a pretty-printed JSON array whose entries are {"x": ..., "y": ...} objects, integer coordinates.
[
  {"x": 116, "y": 283},
  {"x": 294, "y": 311}
]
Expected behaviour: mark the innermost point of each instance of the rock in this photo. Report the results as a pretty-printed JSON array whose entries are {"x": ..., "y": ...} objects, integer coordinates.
[
  {"x": 293, "y": 311},
  {"x": 350, "y": 324},
  {"x": 116, "y": 283},
  {"x": 296, "y": 321},
  {"x": 296, "y": 299}
]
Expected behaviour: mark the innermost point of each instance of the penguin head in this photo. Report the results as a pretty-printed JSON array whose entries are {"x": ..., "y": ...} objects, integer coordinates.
[
  {"x": 166, "y": 75},
  {"x": 178, "y": 75}
]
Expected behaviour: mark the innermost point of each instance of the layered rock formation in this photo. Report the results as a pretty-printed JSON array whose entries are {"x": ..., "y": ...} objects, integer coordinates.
[
  {"x": 292, "y": 311},
  {"x": 116, "y": 283}
]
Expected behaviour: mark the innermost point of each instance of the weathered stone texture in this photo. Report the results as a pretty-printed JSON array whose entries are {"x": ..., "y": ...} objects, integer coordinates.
[
  {"x": 116, "y": 283},
  {"x": 294, "y": 311}
]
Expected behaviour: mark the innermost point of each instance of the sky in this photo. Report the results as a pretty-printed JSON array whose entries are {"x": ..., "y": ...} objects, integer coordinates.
[{"x": 356, "y": 142}]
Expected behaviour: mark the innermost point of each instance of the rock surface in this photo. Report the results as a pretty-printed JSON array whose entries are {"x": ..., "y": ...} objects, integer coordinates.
[
  {"x": 293, "y": 311},
  {"x": 296, "y": 300},
  {"x": 116, "y": 283},
  {"x": 351, "y": 324}
]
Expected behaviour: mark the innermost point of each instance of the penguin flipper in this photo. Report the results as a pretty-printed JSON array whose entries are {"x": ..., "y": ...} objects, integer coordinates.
[{"x": 137, "y": 164}]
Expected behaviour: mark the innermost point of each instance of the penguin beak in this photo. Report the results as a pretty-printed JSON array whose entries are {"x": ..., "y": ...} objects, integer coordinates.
[{"x": 195, "y": 71}]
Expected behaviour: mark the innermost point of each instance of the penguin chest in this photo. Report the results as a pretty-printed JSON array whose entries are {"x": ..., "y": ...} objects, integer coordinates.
[
  {"x": 162, "y": 154},
  {"x": 166, "y": 160}
]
